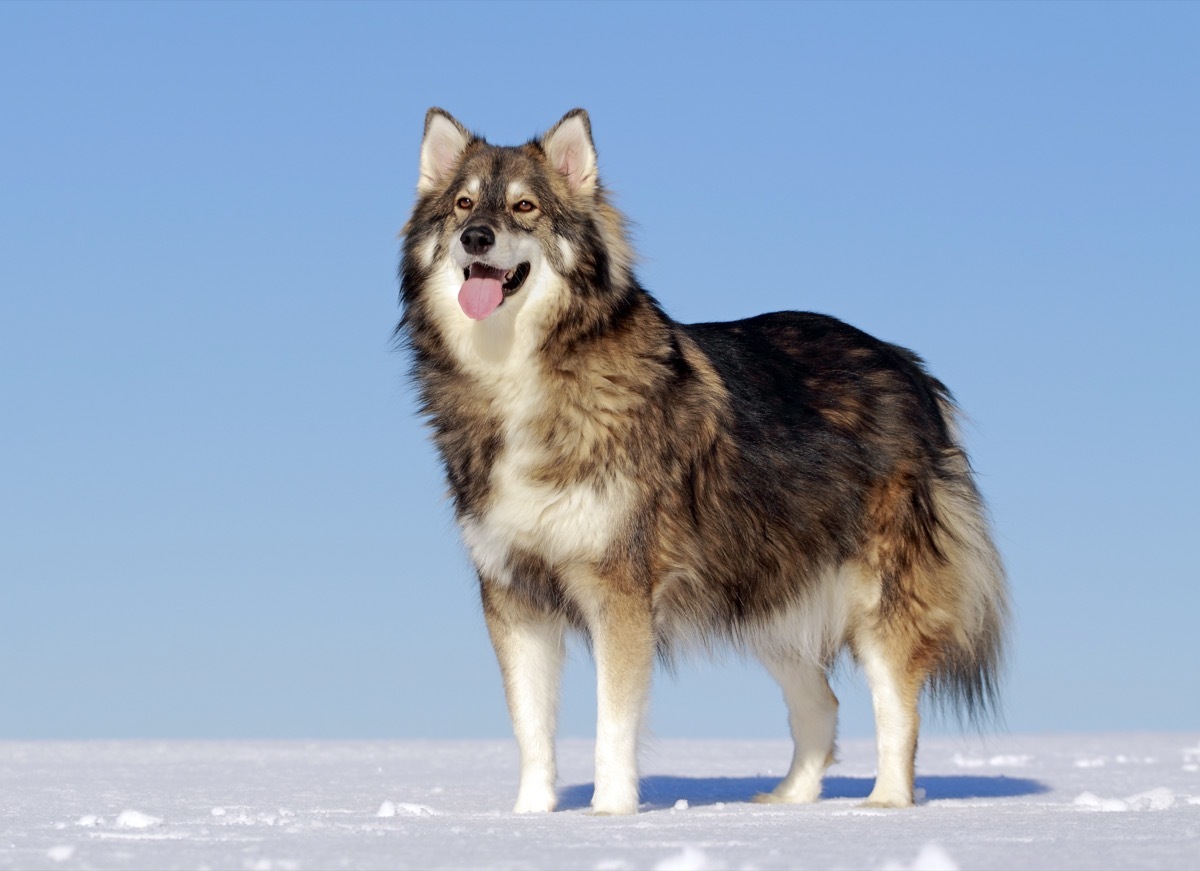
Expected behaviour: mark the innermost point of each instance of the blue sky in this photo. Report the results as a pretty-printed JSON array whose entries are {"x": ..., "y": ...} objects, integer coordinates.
[{"x": 219, "y": 515}]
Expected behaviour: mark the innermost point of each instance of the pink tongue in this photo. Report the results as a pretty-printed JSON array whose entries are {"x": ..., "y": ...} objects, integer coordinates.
[{"x": 482, "y": 292}]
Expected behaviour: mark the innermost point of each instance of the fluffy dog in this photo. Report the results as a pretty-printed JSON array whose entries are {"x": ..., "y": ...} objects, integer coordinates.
[{"x": 786, "y": 484}]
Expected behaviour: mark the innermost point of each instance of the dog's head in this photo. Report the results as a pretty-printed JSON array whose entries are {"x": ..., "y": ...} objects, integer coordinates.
[{"x": 506, "y": 234}]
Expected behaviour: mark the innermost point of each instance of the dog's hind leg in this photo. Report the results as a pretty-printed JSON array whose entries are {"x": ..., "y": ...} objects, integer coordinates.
[
  {"x": 895, "y": 681},
  {"x": 812, "y": 715},
  {"x": 530, "y": 646},
  {"x": 907, "y": 602}
]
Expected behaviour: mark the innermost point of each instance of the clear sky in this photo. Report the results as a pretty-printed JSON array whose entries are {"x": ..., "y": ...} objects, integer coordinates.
[{"x": 219, "y": 515}]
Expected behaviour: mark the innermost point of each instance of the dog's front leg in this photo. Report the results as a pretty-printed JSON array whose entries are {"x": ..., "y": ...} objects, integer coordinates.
[
  {"x": 530, "y": 646},
  {"x": 621, "y": 626}
]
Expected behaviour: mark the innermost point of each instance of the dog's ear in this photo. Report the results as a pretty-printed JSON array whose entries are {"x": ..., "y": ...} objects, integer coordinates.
[
  {"x": 569, "y": 148},
  {"x": 444, "y": 142}
]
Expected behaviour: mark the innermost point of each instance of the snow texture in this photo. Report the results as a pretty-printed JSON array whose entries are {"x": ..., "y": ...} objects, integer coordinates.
[{"x": 1090, "y": 801}]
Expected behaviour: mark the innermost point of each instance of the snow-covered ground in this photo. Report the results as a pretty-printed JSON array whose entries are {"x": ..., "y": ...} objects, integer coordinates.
[{"x": 1082, "y": 801}]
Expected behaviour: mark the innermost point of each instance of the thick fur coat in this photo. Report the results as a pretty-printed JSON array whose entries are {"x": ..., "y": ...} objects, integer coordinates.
[{"x": 786, "y": 484}]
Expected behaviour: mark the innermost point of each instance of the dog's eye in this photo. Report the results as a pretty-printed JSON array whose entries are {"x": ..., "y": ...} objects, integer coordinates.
[
  {"x": 464, "y": 203},
  {"x": 524, "y": 207}
]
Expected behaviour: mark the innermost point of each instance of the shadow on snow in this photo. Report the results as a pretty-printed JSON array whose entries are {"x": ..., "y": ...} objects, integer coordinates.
[{"x": 662, "y": 791}]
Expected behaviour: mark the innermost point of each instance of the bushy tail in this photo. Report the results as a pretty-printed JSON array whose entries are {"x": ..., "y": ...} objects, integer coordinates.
[{"x": 968, "y": 678}]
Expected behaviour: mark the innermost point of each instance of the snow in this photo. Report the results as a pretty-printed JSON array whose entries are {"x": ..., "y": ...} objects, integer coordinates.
[
  {"x": 1154, "y": 799},
  {"x": 931, "y": 858},
  {"x": 389, "y": 809},
  {"x": 688, "y": 859},
  {"x": 1055, "y": 801},
  {"x": 136, "y": 820}
]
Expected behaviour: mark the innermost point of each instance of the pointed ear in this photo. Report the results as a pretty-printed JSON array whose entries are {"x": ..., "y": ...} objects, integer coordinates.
[
  {"x": 444, "y": 142},
  {"x": 569, "y": 148}
]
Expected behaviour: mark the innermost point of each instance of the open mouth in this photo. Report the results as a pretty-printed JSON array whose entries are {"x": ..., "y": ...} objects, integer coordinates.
[
  {"x": 511, "y": 280},
  {"x": 486, "y": 287}
]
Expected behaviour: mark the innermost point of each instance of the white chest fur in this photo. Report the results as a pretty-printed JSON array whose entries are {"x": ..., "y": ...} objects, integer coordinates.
[{"x": 562, "y": 524}]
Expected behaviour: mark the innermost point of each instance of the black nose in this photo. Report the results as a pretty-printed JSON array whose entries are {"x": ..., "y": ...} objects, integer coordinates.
[{"x": 477, "y": 240}]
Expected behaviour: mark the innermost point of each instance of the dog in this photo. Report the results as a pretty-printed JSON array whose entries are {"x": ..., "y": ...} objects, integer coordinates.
[{"x": 785, "y": 484}]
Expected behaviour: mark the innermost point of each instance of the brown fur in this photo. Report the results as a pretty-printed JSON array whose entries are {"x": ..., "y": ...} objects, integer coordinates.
[{"x": 749, "y": 465}]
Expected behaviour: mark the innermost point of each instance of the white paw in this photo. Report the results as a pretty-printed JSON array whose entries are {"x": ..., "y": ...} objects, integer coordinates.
[
  {"x": 888, "y": 798},
  {"x": 535, "y": 800},
  {"x": 780, "y": 795},
  {"x": 614, "y": 803}
]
